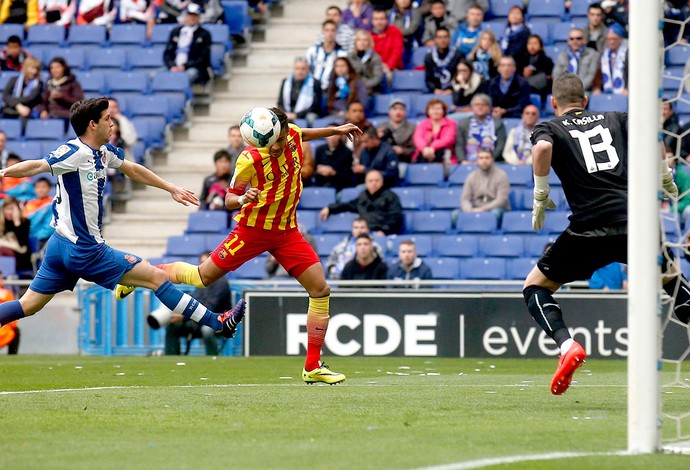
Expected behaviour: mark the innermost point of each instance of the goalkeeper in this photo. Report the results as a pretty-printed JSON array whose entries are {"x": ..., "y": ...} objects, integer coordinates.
[{"x": 588, "y": 152}]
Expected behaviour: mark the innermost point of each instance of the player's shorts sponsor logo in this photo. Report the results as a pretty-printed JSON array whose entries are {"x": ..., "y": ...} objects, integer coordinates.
[
  {"x": 222, "y": 254},
  {"x": 131, "y": 258}
]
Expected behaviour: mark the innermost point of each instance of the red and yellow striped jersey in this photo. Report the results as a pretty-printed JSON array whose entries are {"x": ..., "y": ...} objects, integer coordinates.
[{"x": 278, "y": 180}]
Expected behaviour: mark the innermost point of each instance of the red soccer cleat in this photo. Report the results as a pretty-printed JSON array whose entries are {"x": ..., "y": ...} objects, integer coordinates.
[{"x": 567, "y": 366}]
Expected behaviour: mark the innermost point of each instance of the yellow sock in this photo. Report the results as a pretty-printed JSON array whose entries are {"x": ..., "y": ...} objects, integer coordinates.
[
  {"x": 317, "y": 324},
  {"x": 183, "y": 273}
]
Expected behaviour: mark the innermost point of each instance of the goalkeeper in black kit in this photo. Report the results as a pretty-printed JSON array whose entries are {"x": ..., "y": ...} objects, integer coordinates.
[{"x": 588, "y": 151}]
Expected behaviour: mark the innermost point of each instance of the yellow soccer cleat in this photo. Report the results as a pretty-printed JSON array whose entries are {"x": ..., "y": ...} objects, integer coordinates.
[
  {"x": 123, "y": 291},
  {"x": 322, "y": 374}
]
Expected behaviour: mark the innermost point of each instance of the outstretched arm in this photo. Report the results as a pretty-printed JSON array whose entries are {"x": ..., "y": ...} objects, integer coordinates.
[
  {"x": 26, "y": 168},
  {"x": 349, "y": 130},
  {"x": 143, "y": 175}
]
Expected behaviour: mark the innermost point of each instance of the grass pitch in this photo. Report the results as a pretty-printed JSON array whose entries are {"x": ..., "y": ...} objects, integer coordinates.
[{"x": 200, "y": 412}]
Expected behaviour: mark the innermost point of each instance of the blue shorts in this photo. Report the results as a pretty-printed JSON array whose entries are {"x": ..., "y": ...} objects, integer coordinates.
[{"x": 64, "y": 263}]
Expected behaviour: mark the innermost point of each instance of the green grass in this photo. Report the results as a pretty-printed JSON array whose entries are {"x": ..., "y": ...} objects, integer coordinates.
[{"x": 240, "y": 413}]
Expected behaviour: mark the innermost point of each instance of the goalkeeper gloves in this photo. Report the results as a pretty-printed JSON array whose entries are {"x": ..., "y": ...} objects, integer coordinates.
[{"x": 541, "y": 202}]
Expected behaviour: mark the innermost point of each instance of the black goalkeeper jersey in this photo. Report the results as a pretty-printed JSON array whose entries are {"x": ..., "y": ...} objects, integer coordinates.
[{"x": 590, "y": 157}]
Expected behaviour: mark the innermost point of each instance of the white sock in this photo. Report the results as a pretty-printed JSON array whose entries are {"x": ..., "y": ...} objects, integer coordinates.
[{"x": 566, "y": 345}]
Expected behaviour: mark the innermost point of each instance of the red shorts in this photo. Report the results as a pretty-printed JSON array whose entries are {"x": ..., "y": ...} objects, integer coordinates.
[{"x": 288, "y": 247}]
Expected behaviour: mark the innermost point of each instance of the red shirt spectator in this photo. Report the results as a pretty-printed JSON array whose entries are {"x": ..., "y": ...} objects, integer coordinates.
[{"x": 388, "y": 43}]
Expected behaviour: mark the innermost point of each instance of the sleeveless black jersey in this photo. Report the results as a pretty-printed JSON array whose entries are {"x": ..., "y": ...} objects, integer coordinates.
[{"x": 590, "y": 157}]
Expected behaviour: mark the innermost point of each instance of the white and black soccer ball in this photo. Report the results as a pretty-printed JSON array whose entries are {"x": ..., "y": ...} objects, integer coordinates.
[{"x": 260, "y": 127}]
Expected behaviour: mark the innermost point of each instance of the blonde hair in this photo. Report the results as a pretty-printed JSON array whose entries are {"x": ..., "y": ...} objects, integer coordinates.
[
  {"x": 362, "y": 33},
  {"x": 494, "y": 48},
  {"x": 32, "y": 61}
]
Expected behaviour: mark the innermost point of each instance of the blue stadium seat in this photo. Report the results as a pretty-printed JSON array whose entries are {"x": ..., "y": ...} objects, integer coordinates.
[
  {"x": 418, "y": 56},
  {"x": 519, "y": 175},
  {"x": 519, "y": 268},
  {"x": 5, "y": 77},
  {"x": 672, "y": 84},
  {"x": 541, "y": 29},
  {"x": 553, "y": 179},
  {"x": 207, "y": 222},
  {"x": 496, "y": 26},
  {"x": 556, "y": 221},
  {"x": 171, "y": 81},
  {"x": 477, "y": 222},
  {"x": 237, "y": 17},
  {"x": 127, "y": 34},
  {"x": 106, "y": 59},
  {"x": 12, "y": 128},
  {"x": 26, "y": 150},
  {"x": 308, "y": 219},
  {"x": 411, "y": 198},
  {"x": 409, "y": 80},
  {"x": 314, "y": 197},
  {"x": 678, "y": 55},
  {"x": 483, "y": 268},
  {"x": 548, "y": 108},
  {"x": 138, "y": 151},
  {"x": 515, "y": 197},
  {"x": 381, "y": 103},
  {"x": 211, "y": 241},
  {"x": 92, "y": 81},
  {"x": 252, "y": 269},
  {"x": 8, "y": 265},
  {"x": 149, "y": 106},
  {"x": 517, "y": 222},
  {"x": 456, "y": 245},
  {"x": 554, "y": 50},
  {"x": 326, "y": 242},
  {"x": 218, "y": 59},
  {"x": 161, "y": 33},
  {"x": 424, "y": 174},
  {"x": 47, "y": 146},
  {"x": 348, "y": 194},
  {"x": 500, "y": 8},
  {"x": 443, "y": 198},
  {"x": 147, "y": 59},
  {"x": 220, "y": 34},
  {"x": 150, "y": 129},
  {"x": 535, "y": 244},
  {"x": 554, "y": 9},
  {"x": 579, "y": 8},
  {"x": 459, "y": 173},
  {"x": 444, "y": 268},
  {"x": 423, "y": 243},
  {"x": 44, "y": 129},
  {"x": 131, "y": 83},
  {"x": 431, "y": 222},
  {"x": 10, "y": 29},
  {"x": 185, "y": 245},
  {"x": 337, "y": 223},
  {"x": 560, "y": 31},
  {"x": 608, "y": 102},
  {"x": 502, "y": 246},
  {"x": 511, "y": 123},
  {"x": 47, "y": 34},
  {"x": 421, "y": 100},
  {"x": 74, "y": 56},
  {"x": 87, "y": 34}
]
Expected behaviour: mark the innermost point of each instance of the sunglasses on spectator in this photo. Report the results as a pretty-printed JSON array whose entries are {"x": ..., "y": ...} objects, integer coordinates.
[{"x": 578, "y": 38}]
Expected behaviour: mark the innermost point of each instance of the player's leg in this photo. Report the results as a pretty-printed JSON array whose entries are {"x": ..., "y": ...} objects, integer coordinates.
[{"x": 30, "y": 303}]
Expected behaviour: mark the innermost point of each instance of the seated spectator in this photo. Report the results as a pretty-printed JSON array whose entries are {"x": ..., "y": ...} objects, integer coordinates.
[
  {"x": 435, "y": 137},
  {"x": 536, "y": 67},
  {"x": 366, "y": 62},
  {"x": 356, "y": 115},
  {"x": 487, "y": 188},
  {"x": 137, "y": 11},
  {"x": 10, "y": 182},
  {"x": 274, "y": 269},
  {"x": 358, "y": 14},
  {"x": 4, "y": 153},
  {"x": 97, "y": 12},
  {"x": 321, "y": 56},
  {"x": 616, "y": 12},
  {"x": 306, "y": 171},
  {"x": 300, "y": 93},
  {"x": 60, "y": 12},
  {"x": 39, "y": 212},
  {"x": 509, "y": 92},
  {"x": 215, "y": 186},
  {"x": 344, "y": 35},
  {"x": 366, "y": 264},
  {"x": 486, "y": 55},
  {"x": 128, "y": 133},
  {"x": 42, "y": 188},
  {"x": 379, "y": 206},
  {"x": 398, "y": 131},
  {"x": 611, "y": 277},
  {"x": 440, "y": 64},
  {"x": 578, "y": 59},
  {"x": 596, "y": 28},
  {"x": 235, "y": 143},
  {"x": 189, "y": 47},
  {"x": 388, "y": 43},
  {"x": 460, "y": 9},
  {"x": 14, "y": 234},
  {"x": 344, "y": 87},
  {"x": 376, "y": 155},
  {"x": 409, "y": 266},
  {"x": 333, "y": 163},
  {"x": 408, "y": 19},
  {"x": 344, "y": 251},
  {"x": 62, "y": 90},
  {"x": 466, "y": 83},
  {"x": 19, "y": 12},
  {"x": 614, "y": 63},
  {"x": 170, "y": 11},
  {"x": 12, "y": 56},
  {"x": 23, "y": 92},
  {"x": 518, "y": 148},
  {"x": 438, "y": 18},
  {"x": 467, "y": 35},
  {"x": 671, "y": 128},
  {"x": 481, "y": 130},
  {"x": 514, "y": 40}
]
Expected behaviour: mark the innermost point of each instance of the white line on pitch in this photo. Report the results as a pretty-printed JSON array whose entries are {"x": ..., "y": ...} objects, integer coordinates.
[{"x": 480, "y": 463}]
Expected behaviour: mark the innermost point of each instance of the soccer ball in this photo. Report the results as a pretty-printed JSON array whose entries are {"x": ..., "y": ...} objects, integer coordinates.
[{"x": 260, "y": 127}]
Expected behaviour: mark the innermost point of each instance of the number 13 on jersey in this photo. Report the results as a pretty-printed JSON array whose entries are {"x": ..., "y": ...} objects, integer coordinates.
[{"x": 588, "y": 148}]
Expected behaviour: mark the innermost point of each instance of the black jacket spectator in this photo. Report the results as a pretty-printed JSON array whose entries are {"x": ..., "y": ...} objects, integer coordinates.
[
  {"x": 514, "y": 100},
  {"x": 377, "y": 269},
  {"x": 382, "y": 210},
  {"x": 199, "y": 51},
  {"x": 338, "y": 158}
]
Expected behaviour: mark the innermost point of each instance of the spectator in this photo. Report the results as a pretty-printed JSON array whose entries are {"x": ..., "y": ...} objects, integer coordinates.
[
  {"x": 333, "y": 163},
  {"x": 514, "y": 40},
  {"x": 212, "y": 12},
  {"x": 682, "y": 179},
  {"x": 536, "y": 67},
  {"x": 388, "y": 43},
  {"x": 596, "y": 28},
  {"x": 9, "y": 334},
  {"x": 60, "y": 12},
  {"x": 14, "y": 234},
  {"x": 23, "y": 92},
  {"x": 358, "y": 15},
  {"x": 486, "y": 55},
  {"x": 398, "y": 131},
  {"x": 19, "y": 12},
  {"x": 170, "y": 11},
  {"x": 409, "y": 266},
  {"x": 137, "y": 11},
  {"x": 518, "y": 148},
  {"x": 509, "y": 92},
  {"x": 435, "y": 137},
  {"x": 345, "y": 87},
  {"x": 356, "y": 115},
  {"x": 376, "y": 155},
  {"x": 128, "y": 132},
  {"x": 4, "y": 153},
  {"x": 366, "y": 264},
  {"x": 379, "y": 206},
  {"x": 466, "y": 83},
  {"x": 440, "y": 64},
  {"x": 367, "y": 62},
  {"x": 467, "y": 35},
  {"x": 460, "y": 9},
  {"x": 344, "y": 35},
  {"x": 306, "y": 171},
  {"x": 438, "y": 18},
  {"x": 321, "y": 56},
  {"x": 42, "y": 188},
  {"x": 97, "y": 12},
  {"x": 39, "y": 212},
  {"x": 235, "y": 143},
  {"x": 616, "y": 12},
  {"x": 610, "y": 277},
  {"x": 215, "y": 185},
  {"x": 10, "y": 182},
  {"x": 578, "y": 59},
  {"x": 671, "y": 128},
  {"x": 487, "y": 188},
  {"x": 300, "y": 93},
  {"x": 61, "y": 91},
  {"x": 273, "y": 267},
  {"x": 189, "y": 47},
  {"x": 407, "y": 18},
  {"x": 481, "y": 130},
  {"x": 344, "y": 251},
  {"x": 614, "y": 63},
  {"x": 12, "y": 56}
]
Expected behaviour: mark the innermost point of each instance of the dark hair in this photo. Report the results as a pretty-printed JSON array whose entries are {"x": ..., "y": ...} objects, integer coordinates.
[
  {"x": 438, "y": 1},
  {"x": 361, "y": 219},
  {"x": 44, "y": 180},
  {"x": 335, "y": 7},
  {"x": 14, "y": 40},
  {"x": 596, "y": 6},
  {"x": 371, "y": 132},
  {"x": 234, "y": 127},
  {"x": 282, "y": 118},
  {"x": 364, "y": 235},
  {"x": 349, "y": 105},
  {"x": 14, "y": 156},
  {"x": 352, "y": 77},
  {"x": 329, "y": 22},
  {"x": 221, "y": 154},
  {"x": 84, "y": 111},
  {"x": 441, "y": 28},
  {"x": 568, "y": 90},
  {"x": 538, "y": 38},
  {"x": 63, "y": 62}
]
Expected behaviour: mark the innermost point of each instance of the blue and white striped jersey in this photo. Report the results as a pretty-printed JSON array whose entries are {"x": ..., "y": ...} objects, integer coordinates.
[{"x": 78, "y": 202}]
